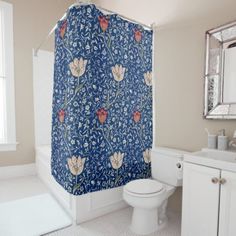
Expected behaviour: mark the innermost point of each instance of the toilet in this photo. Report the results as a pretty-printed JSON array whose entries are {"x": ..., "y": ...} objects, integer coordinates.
[{"x": 149, "y": 197}]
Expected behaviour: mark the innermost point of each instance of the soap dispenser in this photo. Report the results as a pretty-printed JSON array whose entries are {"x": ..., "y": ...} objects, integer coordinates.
[
  {"x": 222, "y": 140},
  {"x": 212, "y": 142},
  {"x": 232, "y": 143}
]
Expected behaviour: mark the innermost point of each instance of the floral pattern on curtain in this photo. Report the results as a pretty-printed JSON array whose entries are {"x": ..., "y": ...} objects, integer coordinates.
[{"x": 102, "y": 101}]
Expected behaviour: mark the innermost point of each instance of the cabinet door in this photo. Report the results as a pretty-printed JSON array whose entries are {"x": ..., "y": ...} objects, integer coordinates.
[
  {"x": 200, "y": 200},
  {"x": 227, "y": 225}
]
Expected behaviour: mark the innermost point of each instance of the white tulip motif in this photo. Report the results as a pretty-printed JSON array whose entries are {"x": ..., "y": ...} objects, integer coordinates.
[
  {"x": 148, "y": 78},
  {"x": 147, "y": 156},
  {"x": 117, "y": 160},
  {"x": 118, "y": 72},
  {"x": 76, "y": 165},
  {"x": 78, "y": 67}
]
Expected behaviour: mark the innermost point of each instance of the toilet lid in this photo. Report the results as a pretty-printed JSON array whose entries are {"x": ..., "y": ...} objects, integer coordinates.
[{"x": 144, "y": 186}]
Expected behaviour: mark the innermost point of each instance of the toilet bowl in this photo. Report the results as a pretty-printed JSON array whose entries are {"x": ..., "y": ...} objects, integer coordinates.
[
  {"x": 146, "y": 196},
  {"x": 149, "y": 197}
]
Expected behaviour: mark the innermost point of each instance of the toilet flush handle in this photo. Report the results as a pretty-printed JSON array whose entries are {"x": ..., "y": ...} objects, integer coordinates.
[
  {"x": 179, "y": 170},
  {"x": 179, "y": 165}
]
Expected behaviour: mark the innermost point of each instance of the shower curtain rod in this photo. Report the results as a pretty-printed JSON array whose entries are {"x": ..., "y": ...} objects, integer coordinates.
[{"x": 152, "y": 26}]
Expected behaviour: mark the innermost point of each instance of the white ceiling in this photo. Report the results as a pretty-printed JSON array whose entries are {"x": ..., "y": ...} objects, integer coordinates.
[{"x": 164, "y": 12}]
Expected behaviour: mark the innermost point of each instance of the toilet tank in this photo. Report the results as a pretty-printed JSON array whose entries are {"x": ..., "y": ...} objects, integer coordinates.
[{"x": 167, "y": 165}]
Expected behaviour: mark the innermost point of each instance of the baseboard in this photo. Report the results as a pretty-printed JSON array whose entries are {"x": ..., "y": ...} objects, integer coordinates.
[{"x": 8, "y": 172}]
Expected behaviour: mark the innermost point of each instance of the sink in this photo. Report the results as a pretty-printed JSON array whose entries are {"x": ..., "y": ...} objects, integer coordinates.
[
  {"x": 217, "y": 155},
  {"x": 225, "y": 160}
]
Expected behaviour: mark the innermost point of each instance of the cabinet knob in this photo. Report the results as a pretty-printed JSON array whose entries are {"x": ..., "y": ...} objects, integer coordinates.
[
  {"x": 222, "y": 181},
  {"x": 214, "y": 180}
]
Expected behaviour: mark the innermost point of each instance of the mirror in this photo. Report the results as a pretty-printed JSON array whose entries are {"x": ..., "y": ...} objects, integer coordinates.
[
  {"x": 220, "y": 73},
  {"x": 229, "y": 92}
]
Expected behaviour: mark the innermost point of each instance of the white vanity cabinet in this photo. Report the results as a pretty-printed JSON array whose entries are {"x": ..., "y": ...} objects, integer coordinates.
[{"x": 209, "y": 201}]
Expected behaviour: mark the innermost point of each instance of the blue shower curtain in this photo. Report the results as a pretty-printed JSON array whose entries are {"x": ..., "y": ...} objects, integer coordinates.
[{"x": 102, "y": 101}]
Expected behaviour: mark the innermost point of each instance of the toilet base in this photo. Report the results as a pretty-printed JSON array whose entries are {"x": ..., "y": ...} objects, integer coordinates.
[{"x": 144, "y": 221}]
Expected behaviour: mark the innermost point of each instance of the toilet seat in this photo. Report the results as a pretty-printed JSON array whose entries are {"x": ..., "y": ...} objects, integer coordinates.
[{"x": 144, "y": 187}]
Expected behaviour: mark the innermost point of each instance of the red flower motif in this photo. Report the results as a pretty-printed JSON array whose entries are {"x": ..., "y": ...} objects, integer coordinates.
[
  {"x": 63, "y": 29},
  {"x": 137, "y": 116},
  {"x": 61, "y": 115},
  {"x": 138, "y": 35},
  {"x": 103, "y": 22},
  {"x": 102, "y": 115}
]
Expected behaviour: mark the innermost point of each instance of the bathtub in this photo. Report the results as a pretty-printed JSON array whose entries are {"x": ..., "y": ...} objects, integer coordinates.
[{"x": 81, "y": 208}]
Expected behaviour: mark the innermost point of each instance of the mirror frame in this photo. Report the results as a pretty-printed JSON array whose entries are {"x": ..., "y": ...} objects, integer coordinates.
[{"x": 214, "y": 107}]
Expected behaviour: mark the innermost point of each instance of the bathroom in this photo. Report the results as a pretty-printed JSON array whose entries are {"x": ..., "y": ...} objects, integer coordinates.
[{"x": 182, "y": 141}]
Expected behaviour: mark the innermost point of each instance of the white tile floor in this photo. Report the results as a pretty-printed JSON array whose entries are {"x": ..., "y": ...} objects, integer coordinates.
[
  {"x": 114, "y": 224},
  {"x": 117, "y": 224}
]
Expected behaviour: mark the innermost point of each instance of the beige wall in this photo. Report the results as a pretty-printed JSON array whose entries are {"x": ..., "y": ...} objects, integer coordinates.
[
  {"x": 179, "y": 65},
  {"x": 32, "y": 21}
]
